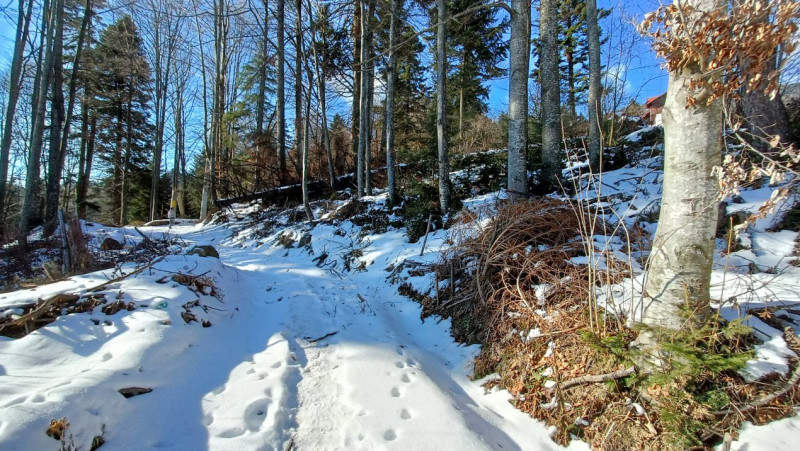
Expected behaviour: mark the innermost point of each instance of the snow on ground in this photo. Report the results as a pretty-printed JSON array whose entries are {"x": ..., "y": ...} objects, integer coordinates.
[
  {"x": 310, "y": 347},
  {"x": 262, "y": 376}
]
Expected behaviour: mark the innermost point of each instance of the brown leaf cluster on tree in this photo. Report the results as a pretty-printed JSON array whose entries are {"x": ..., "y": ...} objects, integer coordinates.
[{"x": 734, "y": 41}]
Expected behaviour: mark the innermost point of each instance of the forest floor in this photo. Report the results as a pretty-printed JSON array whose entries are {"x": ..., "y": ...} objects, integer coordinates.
[{"x": 295, "y": 337}]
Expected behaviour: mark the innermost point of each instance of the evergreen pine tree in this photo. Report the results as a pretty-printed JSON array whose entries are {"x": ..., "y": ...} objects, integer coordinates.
[{"x": 123, "y": 106}]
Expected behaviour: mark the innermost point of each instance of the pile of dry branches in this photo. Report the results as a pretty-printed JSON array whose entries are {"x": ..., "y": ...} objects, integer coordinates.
[
  {"x": 515, "y": 287},
  {"x": 517, "y": 267}
]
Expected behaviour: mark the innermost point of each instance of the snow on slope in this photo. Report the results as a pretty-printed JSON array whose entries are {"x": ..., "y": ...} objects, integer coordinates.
[
  {"x": 305, "y": 354},
  {"x": 257, "y": 378}
]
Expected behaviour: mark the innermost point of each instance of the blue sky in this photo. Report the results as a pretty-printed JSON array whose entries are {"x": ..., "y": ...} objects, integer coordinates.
[{"x": 644, "y": 78}]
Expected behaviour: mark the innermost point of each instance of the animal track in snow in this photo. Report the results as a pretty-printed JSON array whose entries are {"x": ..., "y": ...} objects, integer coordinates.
[
  {"x": 405, "y": 378},
  {"x": 395, "y": 392},
  {"x": 405, "y": 414},
  {"x": 107, "y": 356},
  {"x": 400, "y": 364},
  {"x": 389, "y": 435}
]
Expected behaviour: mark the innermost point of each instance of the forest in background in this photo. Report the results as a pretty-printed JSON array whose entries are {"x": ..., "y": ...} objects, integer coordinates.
[{"x": 119, "y": 111}]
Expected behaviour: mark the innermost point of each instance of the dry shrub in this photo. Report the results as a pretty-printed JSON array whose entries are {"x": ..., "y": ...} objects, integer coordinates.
[
  {"x": 513, "y": 286},
  {"x": 508, "y": 274}
]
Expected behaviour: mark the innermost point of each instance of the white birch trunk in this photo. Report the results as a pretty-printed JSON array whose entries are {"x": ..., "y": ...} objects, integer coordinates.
[{"x": 679, "y": 271}]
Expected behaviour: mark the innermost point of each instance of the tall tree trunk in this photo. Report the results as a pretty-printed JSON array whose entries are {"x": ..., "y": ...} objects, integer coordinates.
[
  {"x": 461, "y": 94},
  {"x": 221, "y": 24},
  {"x": 320, "y": 74},
  {"x": 85, "y": 31},
  {"x": 363, "y": 137},
  {"x": 298, "y": 86},
  {"x": 176, "y": 198},
  {"x": 569, "y": 55},
  {"x": 306, "y": 135},
  {"x": 262, "y": 72},
  {"x": 680, "y": 262},
  {"x": 370, "y": 74},
  {"x": 55, "y": 159},
  {"x": 355, "y": 126},
  {"x": 519, "y": 57},
  {"x": 116, "y": 189},
  {"x": 37, "y": 130},
  {"x": 595, "y": 94},
  {"x": 765, "y": 117},
  {"x": 441, "y": 113},
  {"x": 391, "y": 69},
  {"x": 208, "y": 157},
  {"x": 280, "y": 92},
  {"x": 80, "y": 192},
  {"x": 14, "y": 85},
  {"x": 127, "y": 168},
  {"x": 551, "y": 111},
  {"x": 164, "y": 47}
]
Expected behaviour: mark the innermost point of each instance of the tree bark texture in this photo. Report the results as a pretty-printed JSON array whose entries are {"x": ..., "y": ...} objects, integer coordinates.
[
  {"x": 55, "y": 158},
  {"x": 364, "y": 113},
  {"x": 519, "y": 56},
  {"x": 680, "y": 262},
  {"x": 391, "y": 69},
  {"x": 14, "y": 84},
  {"x": 595, "y": 95},
  {"x": 280, "y": 92},
  {"x": 355, "y": 126},
  {"x": 441, "y": 113},
  {"x": 37, "y": 130},
  {"x": 551, "y": 108}
]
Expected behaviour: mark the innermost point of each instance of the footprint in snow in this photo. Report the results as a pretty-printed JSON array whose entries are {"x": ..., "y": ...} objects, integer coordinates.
[
  {"x": 405, "y": 378},
  {"x": 405, "y": 414},
  {"x": 395, "y": 392},
  {"x": 400, "y": 364},
  {"x": 389, "y": 435},
  {"x": 255, "y": 413},
  {"x": 107, "y": 356}
]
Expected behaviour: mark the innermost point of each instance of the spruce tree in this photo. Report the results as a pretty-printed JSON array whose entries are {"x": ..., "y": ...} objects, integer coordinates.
[
  {"x": 123, "y": 105},
  {"x": 477, "y": 47}
]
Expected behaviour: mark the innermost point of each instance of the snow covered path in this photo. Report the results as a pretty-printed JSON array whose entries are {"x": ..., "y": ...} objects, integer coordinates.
[
  {"x": 301, "y": 354},
  {"x": 262, "y": 377},
  {"x": 383, "y": 379}
]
